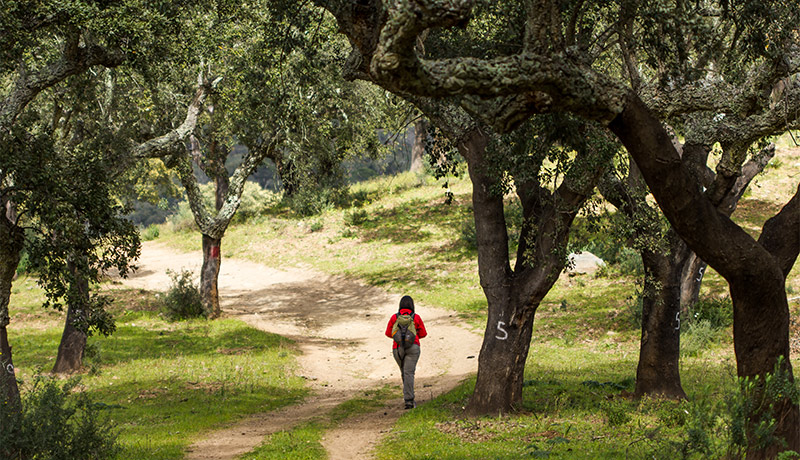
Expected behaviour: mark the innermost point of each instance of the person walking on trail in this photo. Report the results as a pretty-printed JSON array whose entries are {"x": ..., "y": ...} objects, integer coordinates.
[{"x": 406, "y": 328}]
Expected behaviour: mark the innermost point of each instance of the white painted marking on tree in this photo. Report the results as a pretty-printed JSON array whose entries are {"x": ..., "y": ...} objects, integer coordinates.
[
  {"x": 10, "y": 369},
  {"x": 700, "y": 274},
  {"x": 678, "y": 319},
  {"x": 500, "y": 325}
]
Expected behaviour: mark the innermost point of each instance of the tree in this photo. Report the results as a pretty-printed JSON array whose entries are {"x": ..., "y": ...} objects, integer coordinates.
[
  {"x": 48, "y": 49},
  {"x": 274, "y": 94},
  {"x": 554, "y": 72}
]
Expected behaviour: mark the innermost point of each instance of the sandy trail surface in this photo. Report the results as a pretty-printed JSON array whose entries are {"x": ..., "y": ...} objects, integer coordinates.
[{"x": 338, "y": 324}]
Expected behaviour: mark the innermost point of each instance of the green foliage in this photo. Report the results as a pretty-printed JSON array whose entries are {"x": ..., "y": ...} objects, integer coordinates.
[
  {"x": 356, "y": 218},
  {"x": 54, "y": 423},
  {"x": 311, "y": 201},
  {"x": 150, "y": 233},
  {"x": 616, "y": 412},
  {"x": 634, "y": 305},
  {"x": 24, "y": 265},
  {"x": 717, "y": 311},
  {"x": 697, "y": 337},
  {"x": 607, "y": 236},
  {"x": 255, "y": 202},
  {"x": 183, "y": 300},
  {"x": 316, "y": 226},
  {"x": 744, "y": 419}
]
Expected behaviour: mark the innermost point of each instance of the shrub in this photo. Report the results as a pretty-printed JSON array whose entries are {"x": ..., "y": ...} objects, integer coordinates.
[
  {"x": 24, "y": 265},
  {"x": 316, "y": 226},
  {"x": 312, "y": 201},
  {"x": 718, "y": 311},
  {"x": 359, "y": 198},
  {"x": 255, "y": 202},
  {"x": 183, "y": 220},
  {"x": 696, "y": 337},
  {"x": 183, "y": 299},
  {"x": 355, "y": 218},
  {"x": 150, "y": 233},
  {"x": 718, "y": 429},
  {"x": 53, "y": 424}
]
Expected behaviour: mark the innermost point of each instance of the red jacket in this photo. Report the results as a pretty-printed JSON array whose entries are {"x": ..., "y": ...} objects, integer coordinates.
[{"x": 418, "y": 324}]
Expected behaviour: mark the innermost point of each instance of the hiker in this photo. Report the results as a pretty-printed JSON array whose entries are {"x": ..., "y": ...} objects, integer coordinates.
[{"x": 406, "y": 328}]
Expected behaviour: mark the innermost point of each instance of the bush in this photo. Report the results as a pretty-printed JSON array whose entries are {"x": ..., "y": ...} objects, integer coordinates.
[
  {"x": 24, "y": 265},
  {"x": 717, "y": 311},
  {"x": 316, "y": 226},
  {"x": 150, "y": 233},
  {"x": 719, "y": 429},
  {"x": 696, "y": 337},
  {"x": 355, "y": 218},
  {"x": 312, "y": 201},
  {"x": 54, "y": 424},
  {"x": 255, "y": 202},
  {"x": 183, "y": 299}
]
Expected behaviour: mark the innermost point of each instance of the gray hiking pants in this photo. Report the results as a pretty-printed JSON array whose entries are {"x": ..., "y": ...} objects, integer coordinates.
[{"x": 408, "y": 365}]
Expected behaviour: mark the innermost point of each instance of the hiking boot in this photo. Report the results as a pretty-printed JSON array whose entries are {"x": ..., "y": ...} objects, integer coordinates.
[{"x": 410, "y": 404}]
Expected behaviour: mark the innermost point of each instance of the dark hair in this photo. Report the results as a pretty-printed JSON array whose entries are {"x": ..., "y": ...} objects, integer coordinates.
[{"x": 407, "y": 303}]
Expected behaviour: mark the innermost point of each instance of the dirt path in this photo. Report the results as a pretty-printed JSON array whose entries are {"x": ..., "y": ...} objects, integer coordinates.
[{"x": 338, "y": 324}]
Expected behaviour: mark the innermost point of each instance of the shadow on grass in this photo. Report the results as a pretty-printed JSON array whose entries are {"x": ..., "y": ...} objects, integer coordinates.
[
  {"x": 153, "y": 411},
  {"x": 129, "y": 343},
  {"x": 404, "y": 223}
]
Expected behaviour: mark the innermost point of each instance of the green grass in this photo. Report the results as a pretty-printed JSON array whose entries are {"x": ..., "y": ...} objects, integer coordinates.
[
  {"x": 304, "y": 442},
  {"x": 164, "y": 384}
]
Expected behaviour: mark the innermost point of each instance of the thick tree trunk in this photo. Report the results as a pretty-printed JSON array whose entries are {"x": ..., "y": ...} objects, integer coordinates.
[
  {"x": 506, "y": 342},
  {"x": 418, "y": 150},
  {"x": 761, "y": 314},
  {"x": 11, "y": 241},
  {"x": 659, "y": 352},
  {"x": 501, "y": 364},
  {"x": 73, "y": 339},
  {"x": 209, "y": 276}
]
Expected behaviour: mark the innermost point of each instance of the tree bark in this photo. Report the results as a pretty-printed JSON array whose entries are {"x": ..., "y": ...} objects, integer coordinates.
[
  {"x": 694, "y": 269},
  {"x": 11, "y": 242},
  {"x": 73, "y": 339},
  {"x": 659, "y": 352},
  {"x": 756, "y": 279},
  {"x": 418, "y": 150},
  {"x": 209, "y": 276}
]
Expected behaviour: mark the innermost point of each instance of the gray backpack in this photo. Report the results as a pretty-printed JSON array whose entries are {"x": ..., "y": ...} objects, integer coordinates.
[{"x": 404, "y": 332}]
